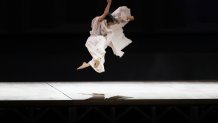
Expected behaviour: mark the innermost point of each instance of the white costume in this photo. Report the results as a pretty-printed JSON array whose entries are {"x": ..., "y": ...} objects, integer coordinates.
[
  {"x": 117, "y": 38},
  {"x": 101, "y": 37}
]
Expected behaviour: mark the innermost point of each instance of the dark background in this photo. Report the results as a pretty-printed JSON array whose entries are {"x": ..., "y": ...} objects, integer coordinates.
[{"x": 43, "y": 40}]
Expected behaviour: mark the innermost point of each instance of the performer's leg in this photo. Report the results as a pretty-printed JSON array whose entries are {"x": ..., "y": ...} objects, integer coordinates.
[
  {"x": 96, "y": 46},
  {"x": 83, "y": 66}
]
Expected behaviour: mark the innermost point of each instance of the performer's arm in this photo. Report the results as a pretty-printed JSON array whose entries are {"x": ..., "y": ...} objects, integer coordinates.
[{"x": 106, "y": 11}]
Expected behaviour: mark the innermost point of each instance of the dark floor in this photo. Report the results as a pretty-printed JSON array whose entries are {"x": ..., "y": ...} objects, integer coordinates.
[{"x": 111, "y": 114}]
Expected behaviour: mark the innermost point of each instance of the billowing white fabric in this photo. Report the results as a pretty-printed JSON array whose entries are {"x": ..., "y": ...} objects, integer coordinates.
[
  {"x": 121, "y": 13},
  {"x": 117, "y": 38}
]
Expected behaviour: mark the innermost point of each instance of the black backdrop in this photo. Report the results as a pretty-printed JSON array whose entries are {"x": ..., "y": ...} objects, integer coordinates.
[
  {"x": 43, "y": 40},
  {"x": 74, "y": 16}
]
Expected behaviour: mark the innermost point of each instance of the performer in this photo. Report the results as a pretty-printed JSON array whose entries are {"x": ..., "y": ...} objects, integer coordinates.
[{"x": 108, "y": 32}]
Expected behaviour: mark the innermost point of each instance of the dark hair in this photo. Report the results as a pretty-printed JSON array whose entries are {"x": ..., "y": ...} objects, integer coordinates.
[{"x": 110, "y": 18}]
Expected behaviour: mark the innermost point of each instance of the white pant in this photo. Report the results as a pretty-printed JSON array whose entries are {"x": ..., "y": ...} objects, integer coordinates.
[{"x": 96, "y": 46}]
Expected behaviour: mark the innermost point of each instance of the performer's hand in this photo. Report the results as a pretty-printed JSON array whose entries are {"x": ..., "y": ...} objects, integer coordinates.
[
  {"x": 100, "y": 19},
  {"x": 131, "y": 18}
]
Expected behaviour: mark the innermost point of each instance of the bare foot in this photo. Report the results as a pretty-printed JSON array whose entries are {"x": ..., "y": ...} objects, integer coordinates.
[{"x": 83, "y": 66}]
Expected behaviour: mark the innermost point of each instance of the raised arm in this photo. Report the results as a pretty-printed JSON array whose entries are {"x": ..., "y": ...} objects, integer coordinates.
[{"x": 106, "y": 11}]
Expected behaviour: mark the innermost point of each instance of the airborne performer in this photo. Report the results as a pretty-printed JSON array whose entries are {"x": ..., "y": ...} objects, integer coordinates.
[{"x": 107, "y": 30}]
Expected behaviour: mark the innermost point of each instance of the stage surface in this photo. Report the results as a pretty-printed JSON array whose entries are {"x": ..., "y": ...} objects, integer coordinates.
[{"x": 48, "y": 91}]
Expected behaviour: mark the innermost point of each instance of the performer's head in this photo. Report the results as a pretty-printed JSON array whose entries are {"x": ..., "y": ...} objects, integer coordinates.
[{"x": 110, "y": 19}]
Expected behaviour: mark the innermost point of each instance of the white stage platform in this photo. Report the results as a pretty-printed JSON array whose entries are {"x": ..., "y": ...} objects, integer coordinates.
[{"x": 107, "y": 90}]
